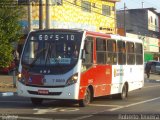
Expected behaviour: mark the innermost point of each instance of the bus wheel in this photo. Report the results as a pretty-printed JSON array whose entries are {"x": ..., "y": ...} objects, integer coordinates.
[
  {"x": 124, "y": 93},
  {"x": 87, "y": 98},
  {"x": 36, "y": 101}
]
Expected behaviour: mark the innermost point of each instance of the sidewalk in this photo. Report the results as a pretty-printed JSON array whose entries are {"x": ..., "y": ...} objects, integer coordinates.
[
  {"x": 6, "y": 83},
  {"x": 155, "y": 77}
]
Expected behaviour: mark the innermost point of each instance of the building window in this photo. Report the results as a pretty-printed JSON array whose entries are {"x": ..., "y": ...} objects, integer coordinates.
[
  {"x": 151, "y": 19},
  {"x": 113, "y": 8},
  {"x": 155, "y": 22},
  {"x": 56, "y": 2},
  {"x": 22, "y": 2},
  {"x": 86, "y": 6},
  {"x": 106, "y": 10}
]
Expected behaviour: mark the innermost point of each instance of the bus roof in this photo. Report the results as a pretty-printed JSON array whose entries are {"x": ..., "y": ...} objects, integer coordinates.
[
  {"x": 117, "y": 37},
  {"x": 73, "y": 30},
  {"x": 111, "y": 36}
]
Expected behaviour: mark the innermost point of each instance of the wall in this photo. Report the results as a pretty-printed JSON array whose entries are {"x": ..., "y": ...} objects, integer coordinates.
[
  {"x": 153, "y": 21},
  {"x": 135, "y": 21},
  {"x": 70, "y": 15}
]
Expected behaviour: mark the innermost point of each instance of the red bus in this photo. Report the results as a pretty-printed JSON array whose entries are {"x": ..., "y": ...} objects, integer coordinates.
[{"x": 79, "y": 65}]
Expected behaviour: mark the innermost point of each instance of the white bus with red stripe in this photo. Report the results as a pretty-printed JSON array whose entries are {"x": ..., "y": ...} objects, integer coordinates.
[{"x": 79, "y": 65}]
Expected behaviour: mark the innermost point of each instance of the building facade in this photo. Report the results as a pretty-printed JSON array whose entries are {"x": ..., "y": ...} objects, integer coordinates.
[
  {"x": 94, "y": 15},
  {"x": 144, "y": 24}
]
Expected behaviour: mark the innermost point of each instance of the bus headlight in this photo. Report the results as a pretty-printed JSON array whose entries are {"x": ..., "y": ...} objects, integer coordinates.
[
  {"x": 73, "y": 79},
  {"x": 21, "y": 78}
]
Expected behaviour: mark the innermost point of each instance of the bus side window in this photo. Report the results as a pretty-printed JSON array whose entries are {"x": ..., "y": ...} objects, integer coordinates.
[
  {"x": 139, "y": 53},
  {"x": 112, "y": 52},
  {"x": 130, "y": 53},
  {"x": 101, "y": 50},
  {"x": 121, "y": 53},
  {"x": 88, "y": 48}
]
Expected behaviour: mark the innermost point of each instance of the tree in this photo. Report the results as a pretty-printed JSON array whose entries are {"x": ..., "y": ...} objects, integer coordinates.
[{"x": 10, "y": 29}]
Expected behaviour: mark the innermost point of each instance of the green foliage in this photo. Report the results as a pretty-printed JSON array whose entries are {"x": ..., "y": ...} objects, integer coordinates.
[{"x": 10, "y": 29}]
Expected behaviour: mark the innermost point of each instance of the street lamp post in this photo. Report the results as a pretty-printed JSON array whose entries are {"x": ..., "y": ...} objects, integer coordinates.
[
  {"x": 29, "y": 15},
  {"x": 40, "y": 14},
  {"x": 48, "y": 14},
  {"x": 124, "y": 19}
]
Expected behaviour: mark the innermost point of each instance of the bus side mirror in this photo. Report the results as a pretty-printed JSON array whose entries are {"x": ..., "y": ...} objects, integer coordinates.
[{"x": 83, "y": 57}]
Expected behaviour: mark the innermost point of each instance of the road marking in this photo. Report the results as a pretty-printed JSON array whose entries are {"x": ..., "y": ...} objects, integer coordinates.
[
  {"x": 151, "y": 86},
  {"x": 51, "y": 110},
  {"x": 6, "y": 94},
  {"x": 130, "y": 105},
  {"x": 82, "y": 117},
  {"x": 117, "y": 108},
  {"x": 13, "y": 101},
  {"x": 33, "y": 118},
  {"x": 101, "y": 105},
  {"x": 43, "y": 111},
  {"x": 68, "y": 109}
]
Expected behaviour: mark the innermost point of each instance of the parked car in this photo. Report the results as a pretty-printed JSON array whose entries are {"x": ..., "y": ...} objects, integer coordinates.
[{"x": 155, "y": 66}]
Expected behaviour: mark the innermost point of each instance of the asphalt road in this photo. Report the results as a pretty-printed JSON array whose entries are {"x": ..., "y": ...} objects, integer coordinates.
[{"x": 140, "y": 104}]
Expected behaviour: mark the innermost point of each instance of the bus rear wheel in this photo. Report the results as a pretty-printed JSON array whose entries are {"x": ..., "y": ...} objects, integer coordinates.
[
  {"x": 87, "y": 98},
  {"x": 36, "y": 101},
  {"x": 121, "y": 95},
  {"x": 124, "y": 92}
]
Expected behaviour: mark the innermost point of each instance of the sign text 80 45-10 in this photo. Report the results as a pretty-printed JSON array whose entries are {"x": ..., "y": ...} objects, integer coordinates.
[{"x": 69, "y": 37}]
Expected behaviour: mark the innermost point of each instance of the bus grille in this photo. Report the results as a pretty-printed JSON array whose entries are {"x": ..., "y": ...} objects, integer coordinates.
[{"x": 50, "y": 93}]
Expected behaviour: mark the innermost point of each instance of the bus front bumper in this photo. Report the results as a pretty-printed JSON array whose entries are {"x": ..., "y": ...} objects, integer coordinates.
[{"x": 68, "y": 92}]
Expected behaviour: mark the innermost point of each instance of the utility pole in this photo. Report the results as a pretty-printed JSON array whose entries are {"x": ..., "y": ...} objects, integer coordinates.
[
  {"x": 29, "y": 16},
  {"x": 142, "y": 4},
  {"x": 48, "y": 18},
  {"x": 40, "y": 14},
  {"x": 124, "y": 19}
]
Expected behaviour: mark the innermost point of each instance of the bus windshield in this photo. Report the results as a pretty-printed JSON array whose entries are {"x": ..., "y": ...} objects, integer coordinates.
[{"x": 52, "y": 48}]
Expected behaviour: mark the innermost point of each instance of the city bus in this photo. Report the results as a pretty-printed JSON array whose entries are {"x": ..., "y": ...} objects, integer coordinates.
[{"x": 73, "y": 64}]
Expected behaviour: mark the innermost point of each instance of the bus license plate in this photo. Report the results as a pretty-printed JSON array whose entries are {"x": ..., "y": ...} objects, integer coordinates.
[{"x": 44, "y": 92}]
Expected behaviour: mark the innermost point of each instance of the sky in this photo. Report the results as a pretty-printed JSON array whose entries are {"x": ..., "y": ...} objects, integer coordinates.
[{"x": 132, "y": 4}]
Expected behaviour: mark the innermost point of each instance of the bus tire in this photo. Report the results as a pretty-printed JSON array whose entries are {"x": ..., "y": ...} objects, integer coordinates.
[
  {"x": 87, "y": 98},
  {"x": 36, "y": 101},
  {"x": 124, "y": 92}
]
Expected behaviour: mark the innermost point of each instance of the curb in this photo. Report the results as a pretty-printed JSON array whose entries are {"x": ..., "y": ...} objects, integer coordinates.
[
  {"x": 152, "y": 80},
  {"x": 7, "y": 94}
]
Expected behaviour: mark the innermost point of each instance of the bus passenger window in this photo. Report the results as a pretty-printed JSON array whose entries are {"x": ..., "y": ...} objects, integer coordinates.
[
  {"x": 139, "y": 53},
  {"x": 88, "y": 48},
  {"x": 121, "y": 53},
  {"x": 101, "y": 50},
  {"x": 111, "y": 52},
  {"x": 88, "y": 52},
  {"x": 130, "y": 53}
]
